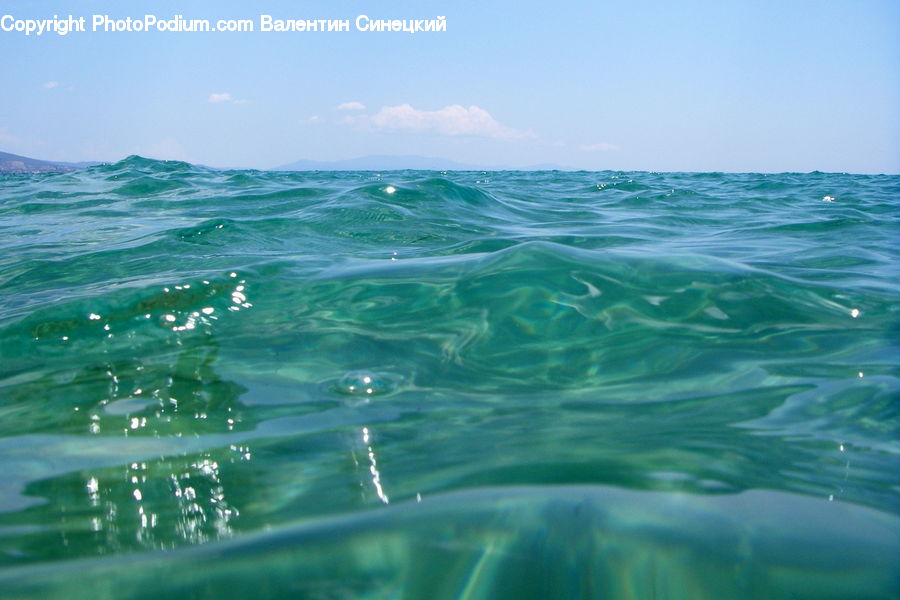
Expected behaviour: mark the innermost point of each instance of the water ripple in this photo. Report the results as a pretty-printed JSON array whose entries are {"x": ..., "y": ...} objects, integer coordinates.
[{"x": 190, "y": 355}]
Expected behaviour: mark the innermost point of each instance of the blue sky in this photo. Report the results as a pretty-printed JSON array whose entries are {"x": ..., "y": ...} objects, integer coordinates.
[{"x": 671, "y": 86}]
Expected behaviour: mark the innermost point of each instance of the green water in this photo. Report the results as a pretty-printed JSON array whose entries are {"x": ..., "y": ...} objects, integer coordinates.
[{"x": 448, "y": 385}]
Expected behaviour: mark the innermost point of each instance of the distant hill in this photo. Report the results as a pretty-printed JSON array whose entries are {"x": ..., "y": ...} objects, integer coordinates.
[
  {"x": 398, "y": 163},
  {"x": 13, "y": 163}
]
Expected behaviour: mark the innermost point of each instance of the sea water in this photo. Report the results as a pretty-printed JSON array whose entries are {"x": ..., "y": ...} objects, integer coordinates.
[{"x": 418, "y": 384}]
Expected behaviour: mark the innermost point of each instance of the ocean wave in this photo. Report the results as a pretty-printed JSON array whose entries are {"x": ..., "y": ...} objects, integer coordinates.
[{"x": 298, "y": 345}]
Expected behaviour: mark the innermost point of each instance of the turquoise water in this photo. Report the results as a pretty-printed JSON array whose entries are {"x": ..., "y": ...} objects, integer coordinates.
[{"x": 448, "y": 385}]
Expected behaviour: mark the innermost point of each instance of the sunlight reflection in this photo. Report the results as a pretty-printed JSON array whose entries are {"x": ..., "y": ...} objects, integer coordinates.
[
  {"x": 173, "y": 500},
  {"x": 373, "y": 467}
]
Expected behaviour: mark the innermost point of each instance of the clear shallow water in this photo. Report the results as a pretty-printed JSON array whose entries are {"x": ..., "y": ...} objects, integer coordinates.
[{"x": 423, "y": 384}]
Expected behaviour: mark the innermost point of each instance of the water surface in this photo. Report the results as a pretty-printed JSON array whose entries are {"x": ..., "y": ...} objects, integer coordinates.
[{"x": 426, "y": 384}]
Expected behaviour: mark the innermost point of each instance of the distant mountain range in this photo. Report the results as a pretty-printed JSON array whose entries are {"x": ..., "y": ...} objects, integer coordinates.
[
  {"x": 13, "y": 163},
  {"x": 400, "y": 163}
]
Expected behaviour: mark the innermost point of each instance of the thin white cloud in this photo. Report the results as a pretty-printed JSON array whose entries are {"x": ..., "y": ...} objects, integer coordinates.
[
  {"x": 351, "y": 106},
  {"x": 453, "y": 120},
  {"x": 220, "y": 97},
  {"x": 599, "y": 147},
  {"x": 93, "y": 151},
  {"x": 6, "y": 137},
  {"x": 49, "y": 85},
  {"x": 312, "y": 119},
  {"x": 165, "y": 149}
]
